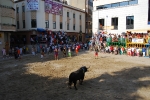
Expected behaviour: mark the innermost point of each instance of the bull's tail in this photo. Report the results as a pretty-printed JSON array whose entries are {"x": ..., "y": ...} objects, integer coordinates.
[{"x": 70, "y": 82}]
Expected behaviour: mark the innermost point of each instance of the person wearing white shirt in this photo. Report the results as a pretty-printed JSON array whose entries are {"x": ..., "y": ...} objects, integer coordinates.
[{"x": 4, "y": 52}]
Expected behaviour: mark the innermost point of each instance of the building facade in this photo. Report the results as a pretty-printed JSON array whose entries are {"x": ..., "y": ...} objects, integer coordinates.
[
  {"x": 71, "y": 20},
  {"x": 88, "y": 5},
  {"x": 120, "y": 16},
  {"x": 7, "y": 23}
]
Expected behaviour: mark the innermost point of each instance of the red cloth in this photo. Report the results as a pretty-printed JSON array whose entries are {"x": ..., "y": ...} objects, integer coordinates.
[{"x": 111, "y": 48}]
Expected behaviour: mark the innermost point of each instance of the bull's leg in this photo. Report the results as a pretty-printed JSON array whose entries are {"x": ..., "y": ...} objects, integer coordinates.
[
  {"x": 69, "y": 84},
  {"x": 75, "y": 82},
  {"x": 80, "y": 81}
]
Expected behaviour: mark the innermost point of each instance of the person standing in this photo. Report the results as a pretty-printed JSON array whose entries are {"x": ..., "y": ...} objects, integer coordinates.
[
  {"x": 96, "y": 53},
  {"x": 24, "y": 49},
  {"x": 18, "y": 51},
  {"x": 15, "y": 53},
  {"x": 33, "y": 52},
  {"x": 42, "y": 53},
  {"x": 144, "y": 51},
  {"x": 4, "y": 52},
  {"x": 64, "y": 52},
  {"x": 76, "y": 50},
  {"x": 56, "y": 53},
  {"x": 69, "y": 52}
]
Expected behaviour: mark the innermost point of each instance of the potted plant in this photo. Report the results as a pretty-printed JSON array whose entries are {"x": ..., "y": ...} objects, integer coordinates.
[
  {"x": 149, "y": 52},
  {"x": 140, "y": 53}
]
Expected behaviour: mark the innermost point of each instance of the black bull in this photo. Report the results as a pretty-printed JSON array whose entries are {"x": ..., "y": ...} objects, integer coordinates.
[{"x": 77, "y": 75}]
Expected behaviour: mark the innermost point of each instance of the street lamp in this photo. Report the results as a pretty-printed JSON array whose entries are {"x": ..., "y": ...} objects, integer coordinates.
[{"x": 106, "y": 23}]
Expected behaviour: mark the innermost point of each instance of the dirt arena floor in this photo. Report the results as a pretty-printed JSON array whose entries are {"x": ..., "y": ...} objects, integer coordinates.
[{"x": 110, "y": 77}]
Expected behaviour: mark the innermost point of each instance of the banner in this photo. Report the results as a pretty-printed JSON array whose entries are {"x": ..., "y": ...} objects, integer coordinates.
[
  {"x": 135, "y": 40},
  {"x": 32, "y": 4},
  {"x": 53, "y": 7}
]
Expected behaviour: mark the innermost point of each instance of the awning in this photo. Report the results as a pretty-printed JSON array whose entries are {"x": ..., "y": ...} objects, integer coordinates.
[{"x": 41, "y": 30}]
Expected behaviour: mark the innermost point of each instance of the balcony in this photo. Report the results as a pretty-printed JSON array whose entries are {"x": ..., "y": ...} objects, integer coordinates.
[
  {"x": 89, "y": 26},
  {"x": 89, "y": 19},
  {"x": 129, "y": 26},
  {"x": 115, "y": 27}
]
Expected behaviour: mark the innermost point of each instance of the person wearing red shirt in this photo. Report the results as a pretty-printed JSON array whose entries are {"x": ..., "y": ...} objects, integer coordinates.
[{"x": 111, "y": 49}]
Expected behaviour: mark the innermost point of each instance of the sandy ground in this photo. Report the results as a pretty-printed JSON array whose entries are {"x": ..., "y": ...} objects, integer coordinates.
[{"x": 110, "y": 77}]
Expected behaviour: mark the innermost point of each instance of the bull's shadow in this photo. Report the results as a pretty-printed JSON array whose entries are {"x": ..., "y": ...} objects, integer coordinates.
[{"x": 120, "y": 85}]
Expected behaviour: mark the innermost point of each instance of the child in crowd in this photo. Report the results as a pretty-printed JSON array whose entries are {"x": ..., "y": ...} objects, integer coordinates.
[
  {"x": 122, "y": 50},
  {"x": 69, "y": 52},
  {"x": 111, "y": 49},
  {"x": 106, "y": 49},
  {"x": 42, "y": 54},
  {"x": 77, "y": 50}
]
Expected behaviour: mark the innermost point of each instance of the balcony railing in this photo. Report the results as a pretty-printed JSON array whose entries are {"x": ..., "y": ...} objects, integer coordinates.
[
  {"x": 129, "y": 26},
  {"x": 89, "y": 26},
  {"x": 115, "y": 27},
  {"x": 64, "y": 1}
]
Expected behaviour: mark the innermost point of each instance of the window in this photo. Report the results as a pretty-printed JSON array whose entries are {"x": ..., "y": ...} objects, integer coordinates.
[
  {"x": 23, "y": 9},
  {"x": 131, "y": 2},
  {"x": 67, "y": 14},
  {"x": 101, "y": 22},
  {"x": 130, "y": 22},
  {"x": 17, "y": 24},
  {"x": 17, "y": 9},
  {"x": 47, "y": 24},
  {"x": 115, "y": 5},
  {"x": 54, "y": 25},
  {"x": 107, "y": 6},
  {"x": 23, "y": 23},
  {"x": 67, "y": 26},
  {"x": 124, "y": 3},
  {"x": 74, "y": 27},
  {"x": 61, "y": 25},
  {"x": 80, "y": 17},
  {"x": 33, "y": 23},
  {"x": 73, "y": 15},
  {"x": 114, "y": 22},
  {"x": 100, "y": 7}
]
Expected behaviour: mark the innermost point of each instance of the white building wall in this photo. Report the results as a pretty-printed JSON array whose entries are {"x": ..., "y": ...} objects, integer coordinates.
[
  {"x": 40, "y": 15},
  {"x": 139, "y": 11}
]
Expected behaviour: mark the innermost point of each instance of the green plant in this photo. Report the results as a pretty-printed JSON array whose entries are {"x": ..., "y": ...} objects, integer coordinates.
[
  {"x": 149, "y": 51},
  {"x": 140, "y": 53}
]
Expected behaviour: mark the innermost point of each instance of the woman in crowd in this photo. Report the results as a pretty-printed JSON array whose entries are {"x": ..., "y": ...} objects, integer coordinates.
[{"x": 56, "y": 53}]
